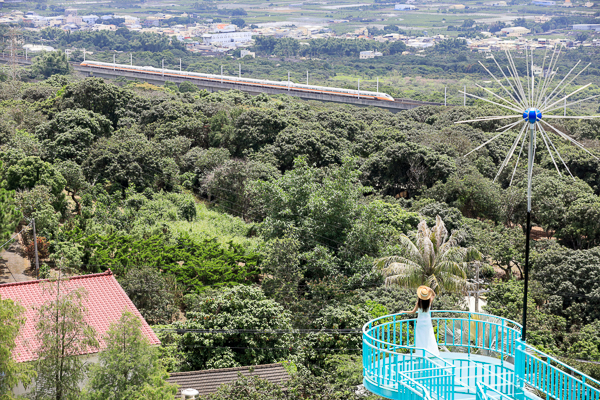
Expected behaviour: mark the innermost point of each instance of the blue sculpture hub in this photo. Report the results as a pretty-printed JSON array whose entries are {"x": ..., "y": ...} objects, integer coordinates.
[{"x": 532, "y": 115}]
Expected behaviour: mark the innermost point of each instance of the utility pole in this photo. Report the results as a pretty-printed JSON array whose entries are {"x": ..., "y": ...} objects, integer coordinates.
[
  {"x": 306, "y": 78},
  {"x": 163, "y": 66},
  {"x": 221, "y": 74},
  {"x": 565, "y": 108},
  {"x": 84, "y": 54},
  {"x": 14, "y": 34},
  {"x": 114, "y": 62},
  {"x": 288, "y": 81},
  {"x": 377, "y": 84},
  {"x": 37, "y": 261},
  {"x": 358, "y": 89},
  {"x": 180, "y": 65},
  {"x": 465, "y": 96},
  {"x": 239, "y": 70},
  {"x": 131, "y": 59}
]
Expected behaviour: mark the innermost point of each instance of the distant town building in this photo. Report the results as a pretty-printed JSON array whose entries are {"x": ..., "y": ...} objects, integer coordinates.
[
  {"x": 405, "y": 7},
  {"x": 90, "y": 19},
  {"x": 74, "y": 19},
  {"x": 457, "y": 7},
  {"x": 499, "y": 4},
  {"x": 229, "y": 37},
  {"x": 245, "y": 53},
  {"x": 102, "y": 27},
  {"x": 369, "y": 54},
  {"x": 515, "y": 31},
  {"x": 544, "y": 3},
  {"x": 586, "y": 27},
  {"x": 37, "y": 48},
  {"x": 224, "y": 28}
]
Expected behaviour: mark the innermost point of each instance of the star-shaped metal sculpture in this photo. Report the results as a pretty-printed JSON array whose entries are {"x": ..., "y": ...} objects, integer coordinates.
[{"x": 532, "y": 100}]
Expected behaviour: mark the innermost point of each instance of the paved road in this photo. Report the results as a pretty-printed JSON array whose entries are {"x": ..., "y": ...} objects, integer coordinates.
[
  {"x": 19, "y": 270},
  {"x": 471, "y": 303}
]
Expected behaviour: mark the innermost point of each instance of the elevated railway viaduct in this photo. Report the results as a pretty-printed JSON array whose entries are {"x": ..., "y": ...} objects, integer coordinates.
[{"x": 212, "y": 86}]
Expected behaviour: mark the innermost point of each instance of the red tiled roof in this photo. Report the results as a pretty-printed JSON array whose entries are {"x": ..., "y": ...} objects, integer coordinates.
[{"x": 106, "y": 301}]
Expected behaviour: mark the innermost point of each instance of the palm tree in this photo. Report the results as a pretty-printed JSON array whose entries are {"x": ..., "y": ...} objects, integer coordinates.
[{"x": 430, "y": 258}]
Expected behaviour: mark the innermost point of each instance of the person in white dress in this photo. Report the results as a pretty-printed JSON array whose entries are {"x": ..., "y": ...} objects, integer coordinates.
[{"x": 424, "y": 336}]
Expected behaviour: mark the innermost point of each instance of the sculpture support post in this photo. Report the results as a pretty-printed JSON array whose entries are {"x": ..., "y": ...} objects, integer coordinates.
[{"x": 528, "y": 232}]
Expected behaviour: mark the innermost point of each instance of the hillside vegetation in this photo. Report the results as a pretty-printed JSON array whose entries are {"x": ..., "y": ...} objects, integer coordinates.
[{"x": 262, "y": 214}]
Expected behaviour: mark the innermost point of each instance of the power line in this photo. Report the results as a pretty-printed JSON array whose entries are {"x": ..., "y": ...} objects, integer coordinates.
[
  {"x": 272, "y": 348},
  {"x": 275, "y": 331}
]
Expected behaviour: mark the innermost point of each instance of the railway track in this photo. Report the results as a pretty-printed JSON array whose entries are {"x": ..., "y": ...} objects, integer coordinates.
[{"x": 395, "y": 105}]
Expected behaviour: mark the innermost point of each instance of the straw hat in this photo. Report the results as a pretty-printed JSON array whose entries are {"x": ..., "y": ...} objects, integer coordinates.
[{"x": 424, "y": 292}]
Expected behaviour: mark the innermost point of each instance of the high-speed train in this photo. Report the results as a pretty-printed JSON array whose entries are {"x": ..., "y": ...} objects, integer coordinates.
[{"x": 290, "y": 86}]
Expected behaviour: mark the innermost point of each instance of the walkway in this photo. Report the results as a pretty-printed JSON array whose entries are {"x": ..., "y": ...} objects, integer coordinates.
[
  {"x": 13, "y": 266},
  {"x": 482, "y": 358}
]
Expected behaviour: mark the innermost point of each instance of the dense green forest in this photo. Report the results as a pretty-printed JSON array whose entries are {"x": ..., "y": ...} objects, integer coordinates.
[
  {"x": 267, "y": 214},
  {"x": 419, "y": 75}
]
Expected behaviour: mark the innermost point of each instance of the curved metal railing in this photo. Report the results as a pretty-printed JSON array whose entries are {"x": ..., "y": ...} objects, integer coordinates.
[
  {"x": 537, "y": 370},
  {"x": 392, "y": 363},
  {"x": 486, "y": 392}
]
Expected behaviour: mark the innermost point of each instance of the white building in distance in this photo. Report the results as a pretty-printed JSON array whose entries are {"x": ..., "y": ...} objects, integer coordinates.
[
  {"x": 37, "y": 48},
  {"x": 404, "y": 7},
  {"x": 370, "y": 54},
  {"x": 586, "y": 27},
  {"x": 228, "y": 38},
  {"x": 515, "y": 31}
]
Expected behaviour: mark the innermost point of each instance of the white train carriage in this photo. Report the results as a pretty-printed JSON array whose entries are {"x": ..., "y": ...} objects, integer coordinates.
[{"x": 291, "y": 86}]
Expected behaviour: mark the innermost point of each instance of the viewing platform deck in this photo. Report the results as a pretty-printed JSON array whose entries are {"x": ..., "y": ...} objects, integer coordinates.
[{"x": 482, "y": 357}]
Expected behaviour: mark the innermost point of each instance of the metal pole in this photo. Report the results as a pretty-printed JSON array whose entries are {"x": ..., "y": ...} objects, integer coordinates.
[
  {"x": 377, "y": 84},
  {"x": 288, "y": 81},
  {"x": 445, "y": 97},
  {"x": 477, "y": 263},
  {"x": 221, "y": 74},
  {"x": 465, "y": 96},
  {"x": 240, "y": 70},
  {"x": 26, "y": 54},
  {"x": 359, "y": 88},
  {"x": 162, "y": 62},
  {"x": 306, "y": 78},
  {"x": 131, "y": 59},
  {"x": 114, "y": 62},
  {"x": 84, "y": 54},
  {"x": 565, "y": 108},
  {"x": 528, "y": 233},
  {"x": 37, "y": 261},
  {"x": 180, "y": 65}
]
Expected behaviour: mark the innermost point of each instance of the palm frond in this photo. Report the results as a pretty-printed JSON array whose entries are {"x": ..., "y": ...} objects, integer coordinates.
[{"x": 431, "y": 256}]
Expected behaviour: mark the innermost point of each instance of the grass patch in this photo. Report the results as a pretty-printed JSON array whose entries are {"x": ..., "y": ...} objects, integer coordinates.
[{"x": 226, "y": 228}]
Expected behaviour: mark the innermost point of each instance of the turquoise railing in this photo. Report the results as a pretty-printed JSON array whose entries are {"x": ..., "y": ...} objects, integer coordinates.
[
  {"x": 394, "y": 368},
  {"x": 485, "y": 392},
  {"x": 555, "y": 379}
]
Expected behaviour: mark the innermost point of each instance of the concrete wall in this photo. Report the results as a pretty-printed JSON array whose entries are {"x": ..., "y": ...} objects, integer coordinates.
[{"x": 89, "y": 359}]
